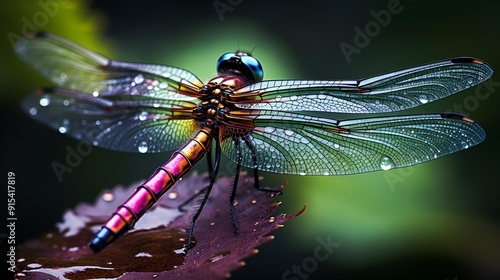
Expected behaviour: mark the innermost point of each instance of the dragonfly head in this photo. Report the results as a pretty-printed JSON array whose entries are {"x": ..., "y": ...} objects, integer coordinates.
[{"x": 240, "y": 64}]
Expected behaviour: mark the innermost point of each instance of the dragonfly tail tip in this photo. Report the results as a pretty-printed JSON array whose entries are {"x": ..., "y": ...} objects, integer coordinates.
[{"x": 102, "y": 239}]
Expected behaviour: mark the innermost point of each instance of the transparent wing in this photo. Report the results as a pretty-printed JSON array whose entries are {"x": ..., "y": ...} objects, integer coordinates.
[
  {"x": 298, "y": 144},
  {"x": 74, "y": 67},
  {"x": 390, "y": 92},
  {"x": 121, "y": 123}
]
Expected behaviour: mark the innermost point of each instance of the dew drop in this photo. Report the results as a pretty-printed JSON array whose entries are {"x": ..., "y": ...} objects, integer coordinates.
[
  {"x": 326, "y": 173},
  {"x": 73, "y": 249},
  {"x": 302, "y": 172},
  {"x": 143, "y": 116},
  {"x": 108, "y": 196},
  {"x": 336, "y": 146},
  {"x": 172, "y": 195},
  {"x": 386, "y": 163},
  {"x": 63, "y": 128},
  {"x": 33, "y": 111},
  {"x": 254, "y": 201},
  {"x": 143, "y": 147},
  {"x": 95, "y": 93},
  {"x": 139, "y": 79},
  {"x": 423, "y": 99},
  {"x": 66, "y": 102},
  {"x": 271, "y": 219},
  {"x": 44, "y": 101}
]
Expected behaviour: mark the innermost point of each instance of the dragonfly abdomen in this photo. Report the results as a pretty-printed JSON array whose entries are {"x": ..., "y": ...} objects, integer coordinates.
[{"x": 152, "y": 189}]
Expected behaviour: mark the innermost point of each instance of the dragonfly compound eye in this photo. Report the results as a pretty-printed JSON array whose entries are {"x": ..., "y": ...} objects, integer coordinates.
[{"x": 240, "y": 64}]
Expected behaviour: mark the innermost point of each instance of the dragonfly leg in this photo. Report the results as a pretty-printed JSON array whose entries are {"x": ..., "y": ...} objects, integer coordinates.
[
  {"x": 251, "y": 146},
  {"x": 235, "y": 184},
  {"x": 210, "y": 170},
  {"x": 189, "y": 200},
  {"x": 231, "y": 198},
  {"x": 213, "y": 176}
]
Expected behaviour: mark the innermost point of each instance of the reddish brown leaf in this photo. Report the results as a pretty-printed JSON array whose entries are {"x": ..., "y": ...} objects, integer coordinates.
[{"x": 154, "y": 248}]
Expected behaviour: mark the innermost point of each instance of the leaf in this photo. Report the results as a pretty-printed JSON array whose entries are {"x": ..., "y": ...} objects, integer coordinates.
[{"x": 154, "y": 248}]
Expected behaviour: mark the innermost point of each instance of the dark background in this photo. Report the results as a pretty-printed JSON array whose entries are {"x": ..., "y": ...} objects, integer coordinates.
[{"x": 439, "y": 220}]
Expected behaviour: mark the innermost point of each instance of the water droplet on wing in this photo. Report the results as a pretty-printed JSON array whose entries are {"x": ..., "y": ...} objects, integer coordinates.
[
  {"x": 44, "y": 101},
  {"x": 139, "y": 79},
  {"x": 143, "y": 116},
  {"x": 423, "y": 99},
  {"x": 64, "y": 126},
  {"x": 386, "y": 163},
  {"x": 143, "y": 147}
]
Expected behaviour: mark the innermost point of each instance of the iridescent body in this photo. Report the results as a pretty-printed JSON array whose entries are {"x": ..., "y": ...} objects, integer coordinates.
[{"x": 263, "y": 125}]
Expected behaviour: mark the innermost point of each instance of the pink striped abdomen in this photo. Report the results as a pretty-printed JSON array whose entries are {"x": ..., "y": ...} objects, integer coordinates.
[{"x": 150, "y": 191}]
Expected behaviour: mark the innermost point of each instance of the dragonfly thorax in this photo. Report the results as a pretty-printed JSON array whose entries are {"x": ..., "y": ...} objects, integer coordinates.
[{"x": 213, "y": 106}]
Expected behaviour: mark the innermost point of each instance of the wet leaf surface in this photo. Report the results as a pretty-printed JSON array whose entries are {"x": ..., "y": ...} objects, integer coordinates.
[{"x": 155, "y": 247}]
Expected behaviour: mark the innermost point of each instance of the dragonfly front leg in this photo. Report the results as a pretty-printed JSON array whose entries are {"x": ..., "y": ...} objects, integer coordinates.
[{"x": 207, "y": 189}]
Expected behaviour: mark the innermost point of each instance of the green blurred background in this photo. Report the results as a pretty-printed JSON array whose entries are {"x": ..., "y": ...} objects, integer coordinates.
[{"x": 439, "y": 220}]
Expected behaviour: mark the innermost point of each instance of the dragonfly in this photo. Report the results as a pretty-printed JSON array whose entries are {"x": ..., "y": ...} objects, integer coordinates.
[{"x": 270, "y": 126}]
